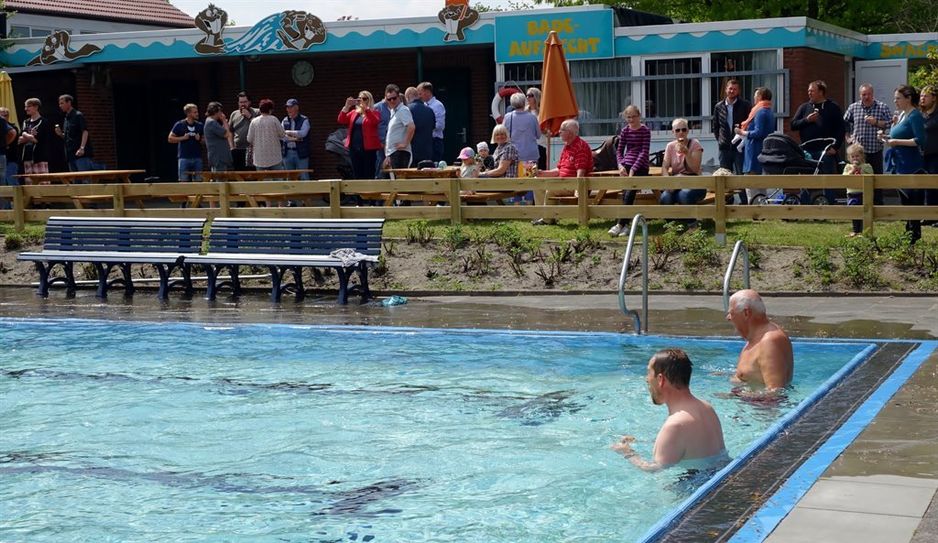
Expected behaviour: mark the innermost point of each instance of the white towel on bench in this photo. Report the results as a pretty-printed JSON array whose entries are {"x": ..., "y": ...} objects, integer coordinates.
[{"x": 350, "y": 257}]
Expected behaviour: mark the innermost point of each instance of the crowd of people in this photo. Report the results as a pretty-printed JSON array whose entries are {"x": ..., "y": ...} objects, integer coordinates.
[{"x": 405, "y": 129}]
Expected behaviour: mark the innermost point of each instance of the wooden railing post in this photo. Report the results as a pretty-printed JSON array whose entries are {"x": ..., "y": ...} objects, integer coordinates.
[
  {"x": 583, "y": 201},
  {"x": 868, "y": 191},
  {"x": 224, "y": 198},
  {"x": 19, "y": 208},
  {"x": 335, "y": 199},
  {"x": 117, "y": 192},
  {"x": 455, "y": 202},
  {"x": 719, "y": 216}
]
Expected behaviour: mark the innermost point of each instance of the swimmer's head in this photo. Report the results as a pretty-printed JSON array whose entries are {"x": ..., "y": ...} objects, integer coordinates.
[
  {"x": 744, "y": 306},
  {"x": 671, "y": 365}
]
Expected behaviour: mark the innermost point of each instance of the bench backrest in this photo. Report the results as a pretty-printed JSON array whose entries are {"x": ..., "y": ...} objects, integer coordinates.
[
  {"x": 295, "y": 236},
  {"x": 124, "y": 235}
]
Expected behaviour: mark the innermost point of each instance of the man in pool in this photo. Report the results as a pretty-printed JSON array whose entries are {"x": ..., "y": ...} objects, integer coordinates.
[
  {"x": 692, "y": 431},
  {"x": 766, "y": 361}
]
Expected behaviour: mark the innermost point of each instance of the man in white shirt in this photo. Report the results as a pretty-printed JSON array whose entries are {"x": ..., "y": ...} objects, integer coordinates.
[{"x": 400, "y": 130}]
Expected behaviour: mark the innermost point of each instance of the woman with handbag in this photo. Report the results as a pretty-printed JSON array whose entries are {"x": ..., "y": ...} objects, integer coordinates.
[{"x": 903, "y": 150}]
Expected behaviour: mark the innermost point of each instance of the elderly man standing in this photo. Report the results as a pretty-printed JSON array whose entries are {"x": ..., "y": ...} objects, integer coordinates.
[
  {"x": 296, "y": 150},
  {"x": 692, "y": 434},
  {"x": 863, "y": 119},
  {"x": 767, "y": 360},
  {"x": 576, "y": 160},
  {"x": 426, "y": 94}
]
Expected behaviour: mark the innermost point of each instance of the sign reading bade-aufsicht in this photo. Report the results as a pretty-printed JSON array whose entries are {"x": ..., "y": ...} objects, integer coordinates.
[{"x": 585, "y": 35}]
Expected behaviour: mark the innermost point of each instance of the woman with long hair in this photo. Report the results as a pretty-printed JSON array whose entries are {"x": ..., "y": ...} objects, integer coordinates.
[
  {"x": 533, "y": 95},
  {"x": 632, "y": 157},
  {"x": 759, "y": 124},
  {"x": 928, "y": 103},
  {"x": 361, "y": 118},
  {"x": 904, "y": 149}
]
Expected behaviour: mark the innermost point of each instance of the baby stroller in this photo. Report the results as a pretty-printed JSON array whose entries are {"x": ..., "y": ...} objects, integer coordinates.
[
  {"x": 335, "y": 144},
  {"x": 781, "y": 155}
]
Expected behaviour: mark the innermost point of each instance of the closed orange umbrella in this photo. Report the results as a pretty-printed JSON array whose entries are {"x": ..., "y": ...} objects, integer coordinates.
[{"x": 558, "y": 103}]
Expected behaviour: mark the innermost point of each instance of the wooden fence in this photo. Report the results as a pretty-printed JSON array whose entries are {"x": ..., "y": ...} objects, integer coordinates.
[{"x": 165, "y": 199}]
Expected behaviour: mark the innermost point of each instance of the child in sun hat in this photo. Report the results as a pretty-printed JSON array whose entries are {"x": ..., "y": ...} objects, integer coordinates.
[
  {"x": 483, "y": 157},
  {"x": 468, "y": 168}
]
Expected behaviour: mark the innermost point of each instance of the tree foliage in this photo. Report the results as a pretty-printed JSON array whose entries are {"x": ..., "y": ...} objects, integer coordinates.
[{"x": 868, "y": 17}]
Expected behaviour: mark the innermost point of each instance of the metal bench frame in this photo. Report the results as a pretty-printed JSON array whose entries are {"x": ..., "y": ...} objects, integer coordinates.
[
  {"x": 109, "y": 242},
  {"x": 285, "y": 247}
]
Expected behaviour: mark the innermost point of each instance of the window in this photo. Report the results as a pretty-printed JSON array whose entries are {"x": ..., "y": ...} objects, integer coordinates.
[
  {"x": 527, "y": 74},
  {"x": 19, "y": 32},
  {"x": 746, "y": 61},
  {"x": 602, "y": 92},
  {"x": 672, "y": 90}
]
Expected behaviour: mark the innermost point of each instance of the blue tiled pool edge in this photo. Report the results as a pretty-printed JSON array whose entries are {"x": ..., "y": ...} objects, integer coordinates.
[
  {"x": 665, "y": 522},
  {"x": 777, "y": 507}
]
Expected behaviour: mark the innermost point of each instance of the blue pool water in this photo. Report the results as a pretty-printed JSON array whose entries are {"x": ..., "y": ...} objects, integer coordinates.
[{"x": 117, "y": 431}]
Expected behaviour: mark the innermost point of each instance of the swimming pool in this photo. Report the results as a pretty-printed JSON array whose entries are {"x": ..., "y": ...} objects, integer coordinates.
[{"x": 142, "y": 431}]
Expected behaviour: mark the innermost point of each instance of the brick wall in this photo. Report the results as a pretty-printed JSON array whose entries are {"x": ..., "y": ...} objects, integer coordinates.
[
  {"x": 96, "y": 102},
  {"x": 807, "y": 65}
]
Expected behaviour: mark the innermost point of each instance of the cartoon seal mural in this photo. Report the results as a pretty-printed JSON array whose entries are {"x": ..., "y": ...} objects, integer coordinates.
[
  {"x": 56, "y": 49},
  {"x": 299, "y": 30},
  {"x": 456, "y": 17},
  {"x": 211, "y": 20}
]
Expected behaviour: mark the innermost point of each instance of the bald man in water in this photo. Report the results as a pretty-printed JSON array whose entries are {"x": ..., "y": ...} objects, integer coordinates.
[
  {"x": 766, "y": 361},
  {"x": 692, "y": 431}
]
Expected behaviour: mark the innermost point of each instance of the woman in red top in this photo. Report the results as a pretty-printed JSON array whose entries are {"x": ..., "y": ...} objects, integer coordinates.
[{"x": 362, "y": 141}]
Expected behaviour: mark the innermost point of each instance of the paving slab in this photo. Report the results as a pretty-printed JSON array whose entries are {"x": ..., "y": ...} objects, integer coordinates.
[
  {"x": 806, "y": 525},
  {"x": 869, "y": 497}
]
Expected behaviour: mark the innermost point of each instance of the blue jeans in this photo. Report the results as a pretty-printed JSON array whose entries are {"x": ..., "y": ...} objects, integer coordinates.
[
  {"x": 292, "y": 161},
  {"x": 269, "y": 168},
  {"x": 684, "y": 197},
  {"x": 82, "y": 164},
  {"x": 187, "y": 165}
]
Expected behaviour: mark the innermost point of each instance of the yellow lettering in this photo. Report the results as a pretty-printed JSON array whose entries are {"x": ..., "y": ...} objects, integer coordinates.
[
  {"x": 594, "y": 44},
  {"x": 562, "y": 26},
  {"x": 532, "y": 28},
  {"x": 514, "y": 50}
]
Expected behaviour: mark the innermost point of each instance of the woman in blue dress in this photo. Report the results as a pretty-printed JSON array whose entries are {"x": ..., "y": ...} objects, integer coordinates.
[{"x": 904, "y": 146}]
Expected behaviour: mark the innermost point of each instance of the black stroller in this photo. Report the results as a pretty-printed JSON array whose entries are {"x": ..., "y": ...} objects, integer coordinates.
[
  {"x": 781, "y": 155},
  {"x": 335, "y": 144}
]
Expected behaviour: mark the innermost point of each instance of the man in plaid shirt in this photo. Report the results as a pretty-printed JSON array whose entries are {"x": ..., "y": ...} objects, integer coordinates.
[{"x": 863, "y": 120}]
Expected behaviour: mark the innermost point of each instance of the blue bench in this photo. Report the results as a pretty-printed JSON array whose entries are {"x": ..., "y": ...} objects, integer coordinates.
[
  {"x": 286, "y": 246},
  {"x": 106, "y": 242}
]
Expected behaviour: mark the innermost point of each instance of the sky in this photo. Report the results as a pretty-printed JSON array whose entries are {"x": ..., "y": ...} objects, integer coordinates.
[{"x": 248, "y": 12}]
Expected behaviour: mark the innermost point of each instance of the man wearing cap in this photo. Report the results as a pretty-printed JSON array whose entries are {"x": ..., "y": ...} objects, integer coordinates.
[
  {"x": 296, "y": 152},
  {"x": 424, "y": 123},
  {"x": 426, "y": 94}
]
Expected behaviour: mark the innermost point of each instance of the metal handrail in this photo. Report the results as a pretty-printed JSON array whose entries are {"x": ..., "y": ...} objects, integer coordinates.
[
  {"x": 740, "y": 247},
  {"x": 643, "y": 319}
]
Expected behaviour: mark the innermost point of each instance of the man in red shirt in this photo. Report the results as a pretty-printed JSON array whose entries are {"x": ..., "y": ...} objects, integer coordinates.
[{"x": 576, "y": 160}]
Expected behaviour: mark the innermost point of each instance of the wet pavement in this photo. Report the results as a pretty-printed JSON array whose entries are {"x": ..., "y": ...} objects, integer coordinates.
[{"x": 897, "y": 452}]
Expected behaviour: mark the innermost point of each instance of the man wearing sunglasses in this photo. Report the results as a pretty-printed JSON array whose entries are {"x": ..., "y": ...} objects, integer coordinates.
[{"x": 400, "y": 130}]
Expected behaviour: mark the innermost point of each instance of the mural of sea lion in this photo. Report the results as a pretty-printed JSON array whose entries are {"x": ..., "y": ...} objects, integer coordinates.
[
  {"x": 300, "y": 30},
  {"x": 456, "y": 17},
  {"x": 56, "y": 49},
  {"x": 211, "y": 20}
]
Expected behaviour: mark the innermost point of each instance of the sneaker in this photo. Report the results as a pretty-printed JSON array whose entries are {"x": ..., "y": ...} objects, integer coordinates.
[
  {"x": 616, "y": 230},
  {"x": 538, "y": 222}
]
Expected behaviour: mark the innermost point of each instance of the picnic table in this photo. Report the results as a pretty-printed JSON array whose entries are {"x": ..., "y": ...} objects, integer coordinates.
[
  {"x": 253, "y": 175},
  {"x": 615, "y": 196},
  {"x": 71, "y": 178},
  {"x": 449, "y": 172},
  {"x": 68, "y": 178}
]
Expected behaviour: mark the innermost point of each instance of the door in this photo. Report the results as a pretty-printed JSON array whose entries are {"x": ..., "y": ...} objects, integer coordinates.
[
  {"x": 884, "y": 75},
  {"x": 452, "y": 88}
]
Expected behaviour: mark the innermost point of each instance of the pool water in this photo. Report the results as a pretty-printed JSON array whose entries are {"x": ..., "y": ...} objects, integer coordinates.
[{"x": 121, "y": 431}]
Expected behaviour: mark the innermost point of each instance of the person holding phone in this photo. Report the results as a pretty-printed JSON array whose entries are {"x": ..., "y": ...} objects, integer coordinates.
[
  {"x": 239, "y": 122},
  {"x": 820, "y": 117},
  {"x": 362, "y": 119}
]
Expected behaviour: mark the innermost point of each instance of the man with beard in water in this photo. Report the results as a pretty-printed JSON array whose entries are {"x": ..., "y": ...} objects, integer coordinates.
[{"x": 692, "y": 435}]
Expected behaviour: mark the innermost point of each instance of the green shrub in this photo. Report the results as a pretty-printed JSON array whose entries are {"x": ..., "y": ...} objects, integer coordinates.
[
  {"x": 861, "y": 263},
  {"x": 454, "y": 238},
  {"x": 819, "y": 262},
  {"x": 13, "y": 241},
  {"x": 665, "y": 246},
  {"x": 700, "y": 250},
  {"x": 419, "y": 232}
]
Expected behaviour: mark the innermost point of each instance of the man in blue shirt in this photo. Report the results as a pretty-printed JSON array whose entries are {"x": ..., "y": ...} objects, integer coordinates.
[
  {"x": 187, "y": 133},
  {"x": 426, "y": 94},
  {"x": 424, "y": 122}
]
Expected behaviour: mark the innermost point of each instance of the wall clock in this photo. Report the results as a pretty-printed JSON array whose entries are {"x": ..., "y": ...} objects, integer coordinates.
[{"x": 302, "y": 73}]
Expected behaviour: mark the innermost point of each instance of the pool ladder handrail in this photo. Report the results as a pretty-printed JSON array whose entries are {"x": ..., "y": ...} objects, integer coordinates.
[
  {"x": 739, "y": 248},
  {"x": 637, "y": 319}
]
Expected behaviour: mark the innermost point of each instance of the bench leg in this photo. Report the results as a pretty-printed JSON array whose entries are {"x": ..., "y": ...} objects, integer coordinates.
[
  {"x": 276, "y": 278},
  {"x": 344, "y": 274},
  {"x": 298, "y": 280},
  {"x": 187, "y": 279},
  {"x": 211, "y": 272},
  {"x": 363, "y": 282},
  {"x": 163, "y": 293},
  {"x": 70, "y": 286},
  {"x": 128, "y": 279},
  {"x": 235, "y": 280},
  {"x": 43, "y": 270},
  {"x": 103, "y": 271}
]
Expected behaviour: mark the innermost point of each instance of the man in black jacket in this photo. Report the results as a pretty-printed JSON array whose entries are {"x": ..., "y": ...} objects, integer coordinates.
[
  {"x": 727, "y": 114},
  {"x": 820, "y": 117}
]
